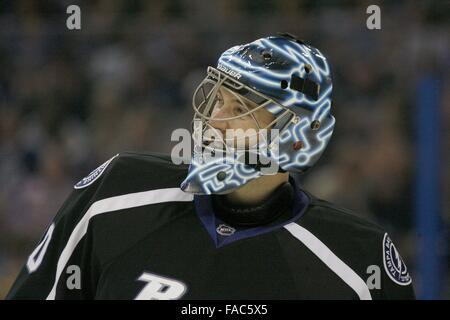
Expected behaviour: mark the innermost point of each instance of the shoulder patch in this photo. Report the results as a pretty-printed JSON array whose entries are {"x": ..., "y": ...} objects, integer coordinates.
[
  {"x": 94, "y": 175},
  {"x": 393, "y": 263}
]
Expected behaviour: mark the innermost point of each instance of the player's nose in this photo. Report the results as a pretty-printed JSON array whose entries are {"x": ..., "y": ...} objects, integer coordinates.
[
  {"x": 220, "y": 126},
  {"x": 216, "y": 121}
]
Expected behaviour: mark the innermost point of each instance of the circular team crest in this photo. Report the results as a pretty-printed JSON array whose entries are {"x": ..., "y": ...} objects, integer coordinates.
[
  {"x": 393, "y": 263},
  {"x": 94, "y": 175}
]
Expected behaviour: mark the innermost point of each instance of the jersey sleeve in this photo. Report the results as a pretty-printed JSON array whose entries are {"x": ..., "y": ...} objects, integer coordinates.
[
  {"x": 63, "y": 264},
  {"x": 396, "y": 282}
]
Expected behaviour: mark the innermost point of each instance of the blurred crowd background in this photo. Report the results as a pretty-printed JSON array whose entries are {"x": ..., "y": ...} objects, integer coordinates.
[{"x": 70, "y": 100}]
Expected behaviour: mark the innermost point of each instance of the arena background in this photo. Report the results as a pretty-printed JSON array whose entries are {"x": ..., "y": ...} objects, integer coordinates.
[{"x": 71, "y": 99}]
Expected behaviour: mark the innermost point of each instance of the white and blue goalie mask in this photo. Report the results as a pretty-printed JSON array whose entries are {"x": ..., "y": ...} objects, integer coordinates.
[{"x": 286, "y": 77}]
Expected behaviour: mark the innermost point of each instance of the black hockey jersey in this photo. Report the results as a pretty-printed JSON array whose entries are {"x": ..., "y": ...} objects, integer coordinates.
[{"x": 128, "y": 232}]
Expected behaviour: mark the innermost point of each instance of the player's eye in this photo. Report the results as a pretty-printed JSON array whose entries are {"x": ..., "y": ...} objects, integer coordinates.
[{"x": 240, "y": 110}]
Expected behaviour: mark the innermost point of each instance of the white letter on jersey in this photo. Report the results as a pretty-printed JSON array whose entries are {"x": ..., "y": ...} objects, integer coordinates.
[
  {"x": 160, "y": 288},
  {"x": 35, "y": 258}
]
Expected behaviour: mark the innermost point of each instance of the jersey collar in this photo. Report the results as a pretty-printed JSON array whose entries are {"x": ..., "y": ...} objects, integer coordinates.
[{"x": 223, "y": 233}]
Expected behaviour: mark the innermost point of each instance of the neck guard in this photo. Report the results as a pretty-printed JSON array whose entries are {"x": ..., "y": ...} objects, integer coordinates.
[{"x": 279, "y": 202}]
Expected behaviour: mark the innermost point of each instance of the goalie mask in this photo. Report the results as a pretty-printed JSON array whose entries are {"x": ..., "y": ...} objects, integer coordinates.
[{"x": 279, "y": 76}]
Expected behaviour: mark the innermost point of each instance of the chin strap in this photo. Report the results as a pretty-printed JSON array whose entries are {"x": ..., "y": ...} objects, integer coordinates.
[{"x": 279, "y": 202}]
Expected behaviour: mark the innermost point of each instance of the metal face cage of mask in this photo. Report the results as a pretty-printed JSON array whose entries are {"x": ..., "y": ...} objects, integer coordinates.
[{"x": 207, "y": 98}]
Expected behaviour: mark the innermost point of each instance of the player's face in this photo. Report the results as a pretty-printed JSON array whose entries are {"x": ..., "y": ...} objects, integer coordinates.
[{"x": 230, "y": 104}]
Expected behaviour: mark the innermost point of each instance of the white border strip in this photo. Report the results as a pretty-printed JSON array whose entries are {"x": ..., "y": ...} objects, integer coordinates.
[
  {"x": 126, "y": 201},
  {"x": 343, "y": 271}
]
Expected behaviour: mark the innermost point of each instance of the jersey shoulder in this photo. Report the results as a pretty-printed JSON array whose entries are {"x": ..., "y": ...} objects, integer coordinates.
[
  {"x": 343, "y": 231},
  {"x": 361, "y": 244},
  {"x": 130, "y": 172},
  {"x": 323, "y": 214}
]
